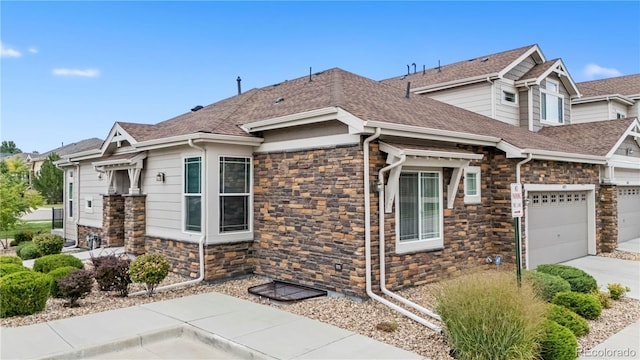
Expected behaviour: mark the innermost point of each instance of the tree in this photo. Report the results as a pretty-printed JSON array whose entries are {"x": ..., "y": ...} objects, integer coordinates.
[
  {"x": 9, "y": 147},
  {"x": 17, "y": 168},
  {"x": 50, "y": 180},
  {"x": 15, "y": 200}
]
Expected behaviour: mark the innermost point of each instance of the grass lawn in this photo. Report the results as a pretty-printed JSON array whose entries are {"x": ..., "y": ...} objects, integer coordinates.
[
  {"x": 35, "y": 226},
  {"x": 51, "y": 206}
]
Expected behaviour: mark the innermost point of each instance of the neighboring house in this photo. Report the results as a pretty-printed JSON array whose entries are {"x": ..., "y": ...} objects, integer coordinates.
[
  {"x": 35, "y": 160},
  {"x": 302, "y": 181},
  {"x": 613, "y": 98}
]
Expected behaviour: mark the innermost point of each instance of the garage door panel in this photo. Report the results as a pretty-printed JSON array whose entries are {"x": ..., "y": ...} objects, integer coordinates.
[
  {"x": 628, "y": 213},
  {"x": 557, "y": 227}
]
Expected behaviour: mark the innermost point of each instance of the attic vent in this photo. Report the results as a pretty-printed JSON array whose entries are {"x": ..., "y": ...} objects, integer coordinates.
[
  {"x": 279, "y": 100},
  {"x": 197, "y": 108},
  {"x": 471, "y": 59},
  {"x": 484, "y": 59}
]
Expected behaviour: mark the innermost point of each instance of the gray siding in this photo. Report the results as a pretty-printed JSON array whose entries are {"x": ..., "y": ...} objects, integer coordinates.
[
  {"x": 506, "y": 112},
  {"x": 520, "y": 69},
  {"x": 589, "y": 112},
  {"x": 306, "y": 131},
  {"x": 629, "y": 143},
  {"x": 476, "y": 98},
  {"x": 92, "y": 188}
]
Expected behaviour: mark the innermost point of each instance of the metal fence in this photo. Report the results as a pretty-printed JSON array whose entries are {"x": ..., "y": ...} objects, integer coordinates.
[{"x": 57, "y": 218}]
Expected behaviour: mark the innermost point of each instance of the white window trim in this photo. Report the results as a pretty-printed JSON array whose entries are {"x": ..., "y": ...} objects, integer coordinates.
[
  {"x": 556, "y": 94},
  {"x": 185, "y": 195},
  {"x": 88, "y": 204},
  {"x": 250, "y": 196},
  {"x": 403, "y": 247},
  {"x": 513, "y": 91},
  {"x": 477, "y": 198},
  {"x": 70, "y": 201}
]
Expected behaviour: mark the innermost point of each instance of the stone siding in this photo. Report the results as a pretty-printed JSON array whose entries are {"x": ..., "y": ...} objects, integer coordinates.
[
  {"x": 309, "y": 217},
  {"x": 84, "y": 231},
  {"x": 113, "y": 220},
  {"x": 134, "y": 224},
  {"x": 607, "y": 218}
]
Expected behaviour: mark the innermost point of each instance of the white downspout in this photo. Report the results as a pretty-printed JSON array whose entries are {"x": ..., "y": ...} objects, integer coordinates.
[
  {"x": 204, "y": 231},
  {"x": 367, "y": 238},
  {"x": 382, "y": 254},
  {"x": 529, "y": 158}
]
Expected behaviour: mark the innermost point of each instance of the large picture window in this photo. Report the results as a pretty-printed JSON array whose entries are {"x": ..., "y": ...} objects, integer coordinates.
[
  {"x": 552, "y": 103},
  {"x": 420, "y": 211},
  {"x": 193, "y": 194},
  {"x": 235, "y": 191}
]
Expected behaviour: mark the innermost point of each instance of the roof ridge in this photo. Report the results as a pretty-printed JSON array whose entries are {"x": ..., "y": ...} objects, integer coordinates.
[
  {"x": 227, "y": 114},
  {"x": 337, "y": 90}
]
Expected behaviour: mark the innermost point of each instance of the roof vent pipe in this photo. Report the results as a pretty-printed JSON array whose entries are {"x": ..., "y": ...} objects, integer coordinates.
[
  {"x": 424, "y": 69},
  {"x": 239, "y": 89},
  {"x": 408, "y": 69},
  {"x": 407, "y": 95},
  {"x": 414, "y": 67},
  {"x": 439, "y": 69},
  {"x": 310, "y": 74}
]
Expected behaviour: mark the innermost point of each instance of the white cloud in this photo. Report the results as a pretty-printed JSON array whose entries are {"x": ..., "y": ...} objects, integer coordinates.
[
  {"x": 77, "y": 72},
  {"x": 596, "y": 71},
  {"x": 8, "y": 52},
  {"x": 33, "y": 50}
]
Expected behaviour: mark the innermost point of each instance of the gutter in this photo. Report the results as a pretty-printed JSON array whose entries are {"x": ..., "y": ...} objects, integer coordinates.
[
  {"x": 367, "y": 238},
  {"x": 202, "y": 238}
]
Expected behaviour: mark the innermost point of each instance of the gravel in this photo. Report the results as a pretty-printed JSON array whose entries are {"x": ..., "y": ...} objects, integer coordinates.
[{"x": 351, "y": 314}]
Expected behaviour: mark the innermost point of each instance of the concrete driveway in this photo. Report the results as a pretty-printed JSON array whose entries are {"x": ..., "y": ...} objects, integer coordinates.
[
  {"x": 609, "y": 271},
  {"x": 38, "y": 214}
]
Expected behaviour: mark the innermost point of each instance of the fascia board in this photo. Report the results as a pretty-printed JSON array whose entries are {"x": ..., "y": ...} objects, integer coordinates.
[
  {"x": 303, "y": 118},
  {"x": 419, "y": 132},
  {"x": 624, "y": 162},
  {"x": 132, "y": 160},
  {"x": 521, "y": 58},
  {"x": 455, "y": 83},
  {"x": 565, "y": 157},
  {"x": 510, "y": 150},
  {"x": 199, "y": 137},
  {"x": 631, "y": 131},
  {"x": 112, "y": 135},
  {"x": 390, "y": 149},
  {"x": 615, "y": 97}
]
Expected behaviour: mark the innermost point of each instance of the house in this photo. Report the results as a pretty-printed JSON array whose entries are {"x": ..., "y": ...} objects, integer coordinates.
[
  {"x": 613, "y": 98},
  {"x": 35, "y": 160},
  {"x": 304, "y": 181}
]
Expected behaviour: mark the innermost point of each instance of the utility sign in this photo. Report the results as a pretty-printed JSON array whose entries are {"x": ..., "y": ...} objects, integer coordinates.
[{"x": 516, "y": 200}]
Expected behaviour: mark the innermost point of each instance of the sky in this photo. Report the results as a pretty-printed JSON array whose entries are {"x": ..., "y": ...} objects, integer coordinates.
[{"x": 70, "y": 70}]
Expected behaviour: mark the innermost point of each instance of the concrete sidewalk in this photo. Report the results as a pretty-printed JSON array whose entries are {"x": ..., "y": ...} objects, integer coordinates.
[{"x": 205, "y": 326}]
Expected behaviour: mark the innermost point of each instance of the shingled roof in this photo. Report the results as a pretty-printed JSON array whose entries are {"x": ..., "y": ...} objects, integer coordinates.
[
  {"x": 595, "y": 138},
  {"x": 367, "y": 99},
  {"x": 73, "y": 148},
  {"x": 624, "y": 85}
]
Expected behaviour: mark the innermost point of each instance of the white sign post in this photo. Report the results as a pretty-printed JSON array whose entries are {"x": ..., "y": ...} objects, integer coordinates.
[{"x": 516, "y": 213}]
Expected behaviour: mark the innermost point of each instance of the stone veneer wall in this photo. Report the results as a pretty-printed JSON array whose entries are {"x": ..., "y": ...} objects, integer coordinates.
[
  {"x": 309, "y": 216},
  {"x": 222, "y": 261},
  {"x": 607, "y": 216},
  {"x": 84, "y": 231},
  {"x": 134, "y": 223},
  {"x": 112, "y": 220}
]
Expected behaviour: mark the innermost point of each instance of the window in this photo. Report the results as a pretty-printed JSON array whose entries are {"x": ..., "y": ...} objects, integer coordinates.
[
  {"x": 192, "y": 194},
  {"x": 235, "y": 191},
  {"x": 419, "y": 215},
  {"x": 620, "y": 115},
  {"x": 70, "y": 197},
  {"x": 509, "y": 97},
  {"x": 551, "y": 103},
  {"x": 472, "y": 185},
  {"x": 88, "y": 204}
]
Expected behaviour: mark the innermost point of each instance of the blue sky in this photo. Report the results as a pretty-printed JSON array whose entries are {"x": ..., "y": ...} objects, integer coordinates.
[{"x": 69, "y": 70}]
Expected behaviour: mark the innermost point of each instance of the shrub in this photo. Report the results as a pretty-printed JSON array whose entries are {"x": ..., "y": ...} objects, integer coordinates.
[
  {"x": 58, "y": 274},
  {"x": 149, "y": 269},
  {"x": 28, "y": 250},
  {"x": 112, "y": 274},
  {"x": 616, "y": 291},
  {"x": 568, "y": 319},
  {"x": 602, "y": 297},
  {"x": 546, "y": 285},
  {"x": 387, "y": 326},
  {"x": 22, "y": 236},
  {"x": 49, "y": 244},
  {"x": 75, "y": 286},
  {"x": 584, "y": 305},
  {"x": 10, "y": 259},
  {"x": 487, "y": 316},
  {"x": 6, "y": 269},
  {"x": 558, "y": 342},
  {"x": 579, "y": 280},
  {"x": 48, "y": 263},
  {"x": 23, "y": 293}
]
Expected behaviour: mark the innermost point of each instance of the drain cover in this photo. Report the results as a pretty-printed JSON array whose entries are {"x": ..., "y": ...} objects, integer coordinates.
[{"x": 284, "y": 291}]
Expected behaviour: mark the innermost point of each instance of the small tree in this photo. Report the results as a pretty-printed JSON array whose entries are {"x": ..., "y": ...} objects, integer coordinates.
[
  {"x": 50, "y": 180},
  {"x": 9, "y": 147},
  {"x": 15, "y": 200},
  {"x": 149, "y": 269}
]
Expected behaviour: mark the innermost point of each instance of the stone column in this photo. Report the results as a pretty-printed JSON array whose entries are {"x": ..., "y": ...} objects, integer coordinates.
[
  {"x": 607, "y": 214},
  {"x": 135, "y": 224},
  {"x": 112, "y": 220}
]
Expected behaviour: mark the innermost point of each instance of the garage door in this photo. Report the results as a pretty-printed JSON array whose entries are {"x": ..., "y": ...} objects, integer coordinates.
[
  {"x": 557, "y": 227},
  {"x": 628, "y": 213}
]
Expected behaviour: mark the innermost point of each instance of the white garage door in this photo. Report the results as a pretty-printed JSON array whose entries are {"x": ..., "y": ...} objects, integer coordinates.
[
  {"x": 628, "y": 213},
  {"x": 557, "y": 227}
]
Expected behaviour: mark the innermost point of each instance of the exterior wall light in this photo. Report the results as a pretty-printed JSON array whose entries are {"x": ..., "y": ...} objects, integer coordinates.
[{"x": 160, "y": 177}]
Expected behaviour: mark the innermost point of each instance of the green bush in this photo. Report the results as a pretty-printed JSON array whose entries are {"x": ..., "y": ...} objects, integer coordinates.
[
  {"x": 22, "y": 236},
  {"x": 584, "y": 305},
  {"x": 546, "y": 285},
  {"x": 6, "y": 269},
  {"x": 616, "y": 291},
  {"x": 579, "y": 280},
  {"x": 112, "y": 274},
  {"x": 75, "y": 286},
  {"x": 48, "y": 263},
  {"x": 49, "y": 244},
  {"x": 149, "y": 269},
  {"x": 23, "y": 293},
  {"x": 603, "y": 298},
  {"x": 486, "y": 316},
  {"x": 58, "y": 274},
  {"x": 568, "y": 319},
  {"x": 28, "y": 250},
  {"x": 558, "y": 342},
  {"x": 10, "y": 259}
]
